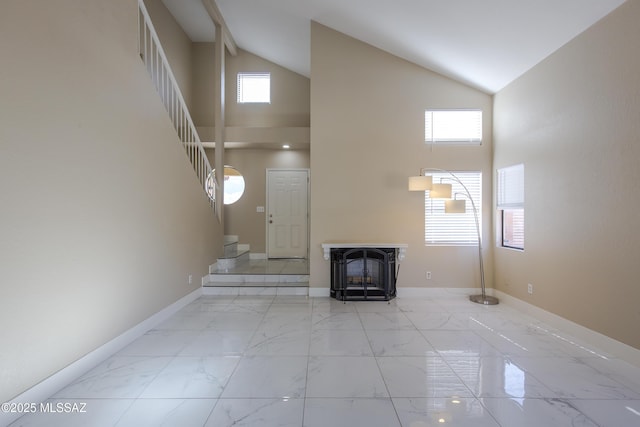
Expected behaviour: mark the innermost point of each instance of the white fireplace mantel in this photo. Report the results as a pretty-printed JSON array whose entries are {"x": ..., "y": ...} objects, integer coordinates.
[{"x": 401, "y": 247}]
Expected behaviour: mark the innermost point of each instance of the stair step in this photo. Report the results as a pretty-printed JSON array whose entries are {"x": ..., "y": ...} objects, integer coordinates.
[
  {"x": 231, "y": 246},
  {"x": 257, "y": 279},
  {"x": 225, "y": 284},
  {"x": 231, "y": 261},
  {"x": 230, "y": 239},
  {"x": 235, "y": 253},
  {"x": 257, "y": 290},
  {"x": 230, "y": 250}
]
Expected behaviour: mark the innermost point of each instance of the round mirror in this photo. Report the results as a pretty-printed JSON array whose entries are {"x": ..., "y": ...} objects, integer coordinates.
[{"x": 233, "y": 185}]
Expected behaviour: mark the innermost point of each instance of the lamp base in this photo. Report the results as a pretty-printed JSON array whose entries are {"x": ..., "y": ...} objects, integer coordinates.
[{"x": 484, "y": 300}]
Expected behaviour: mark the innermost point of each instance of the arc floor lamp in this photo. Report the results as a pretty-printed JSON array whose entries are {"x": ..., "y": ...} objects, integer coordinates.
[{"x": 442, "y": 190}]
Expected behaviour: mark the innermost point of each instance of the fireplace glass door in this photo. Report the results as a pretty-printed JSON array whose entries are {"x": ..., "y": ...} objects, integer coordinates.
[{"x": 363, "y": 273}]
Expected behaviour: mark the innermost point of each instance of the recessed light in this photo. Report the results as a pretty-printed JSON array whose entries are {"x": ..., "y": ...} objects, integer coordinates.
[{"x": 286, "y": 146}]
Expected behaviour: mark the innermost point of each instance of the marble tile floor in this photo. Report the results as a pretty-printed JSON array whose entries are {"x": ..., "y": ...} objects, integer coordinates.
[{"x": 299, "y": 361}]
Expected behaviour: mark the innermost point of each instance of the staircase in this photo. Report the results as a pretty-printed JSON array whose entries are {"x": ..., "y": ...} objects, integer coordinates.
[
  {"x": 236, "y": 273},
  {"x": 157, "y": 65}
]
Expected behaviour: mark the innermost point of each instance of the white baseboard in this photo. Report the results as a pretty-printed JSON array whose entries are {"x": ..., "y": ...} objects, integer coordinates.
[
  {"x": 410, "y": 292},
  {"x": 257, "y": 255},
  {"x": 319, "y": 292},
  {"x": 596, "y": 339},
  {"x": 48, "y": 387}
]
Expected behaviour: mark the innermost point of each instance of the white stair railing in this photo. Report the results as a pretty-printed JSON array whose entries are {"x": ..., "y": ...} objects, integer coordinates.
[{"x": 165, "y": 83}]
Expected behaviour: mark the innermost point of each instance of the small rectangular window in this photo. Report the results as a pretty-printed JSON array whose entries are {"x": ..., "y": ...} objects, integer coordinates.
[
  {"x": 444, "y": 229},
  {"x": 513, "y": 228},
  {"x": 254, "y": 88},
  {"x": 510, "y": 206},
  {"x": 453, "y": 127}
]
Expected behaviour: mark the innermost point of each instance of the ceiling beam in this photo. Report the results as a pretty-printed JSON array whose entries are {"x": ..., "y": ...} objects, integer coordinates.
[{"x": 218, "y": 20}]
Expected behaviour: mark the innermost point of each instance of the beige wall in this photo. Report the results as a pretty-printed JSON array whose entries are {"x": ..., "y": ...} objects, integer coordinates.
[
  {"x": 289, "y": 95},
  {"x": 176, "y": 45},
  {"x": 203, "y": 91},
  {"x": 102, "y": 218},
  {"x": 573, "y": 121},
  {"x": 241, "y": 218},
  {"x": 367, "y": 138},
  {"x": 289, "y": 105}
]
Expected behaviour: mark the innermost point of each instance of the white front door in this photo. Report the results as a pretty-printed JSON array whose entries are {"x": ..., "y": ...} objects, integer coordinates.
[{"x": 287, "y": 218}]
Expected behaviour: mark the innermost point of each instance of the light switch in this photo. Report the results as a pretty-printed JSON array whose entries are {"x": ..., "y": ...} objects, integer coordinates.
[{"x": 259, "y": 208}]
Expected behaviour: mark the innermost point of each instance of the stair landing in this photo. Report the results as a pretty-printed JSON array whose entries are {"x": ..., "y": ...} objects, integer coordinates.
[
  {"x": 234, "y": 255},
  {"x": 259, "y": 277}
]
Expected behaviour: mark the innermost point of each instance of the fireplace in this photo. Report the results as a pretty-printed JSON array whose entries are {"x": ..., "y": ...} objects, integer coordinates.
[{"x": 363, "y": 273}]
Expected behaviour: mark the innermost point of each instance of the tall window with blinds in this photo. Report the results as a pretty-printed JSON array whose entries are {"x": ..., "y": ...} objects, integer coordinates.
[
  {"x": 510, "y": 206},
  {"x": 454, "y": 229},
  {"x": 455, "y": 127}
]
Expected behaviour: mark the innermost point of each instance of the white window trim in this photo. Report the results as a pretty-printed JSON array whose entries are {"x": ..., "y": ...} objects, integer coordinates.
[
  {"x": 509, "y": 195},
  {"x": 441, "y": 126},
  {"x": 264, "y": 95}
]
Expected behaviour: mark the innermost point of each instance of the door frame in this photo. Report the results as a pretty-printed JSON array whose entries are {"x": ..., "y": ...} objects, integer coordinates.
[{"x": 266, "y": 216}]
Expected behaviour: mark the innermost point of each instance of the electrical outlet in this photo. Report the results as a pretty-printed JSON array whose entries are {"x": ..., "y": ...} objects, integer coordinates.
[
  {"x": 530, "y": 288},
  {"x": 428, "y": 275},
  {"x": 190, "y": 279}
]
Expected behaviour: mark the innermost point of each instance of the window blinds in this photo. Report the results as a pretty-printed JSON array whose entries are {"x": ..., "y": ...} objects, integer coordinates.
[
  {"x": 254, "y": 88},
  {"x": 510, "y": 187},
  {"x": 454, "y": 229},
  {"x": 453, "y": 126}
]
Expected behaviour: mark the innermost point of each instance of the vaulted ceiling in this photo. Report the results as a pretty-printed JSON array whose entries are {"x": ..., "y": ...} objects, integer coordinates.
[{"x": 484, "y": 43}]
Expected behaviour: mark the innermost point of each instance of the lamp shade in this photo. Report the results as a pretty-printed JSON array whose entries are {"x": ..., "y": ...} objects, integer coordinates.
[
  {"x": 455, "y": 206},
  {"x": 440, "y": 191},
  {"x": 420, "y": 183}
]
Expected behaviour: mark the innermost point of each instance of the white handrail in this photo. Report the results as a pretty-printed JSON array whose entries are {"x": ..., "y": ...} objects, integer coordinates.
[{"x": 165, "y": 83}]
